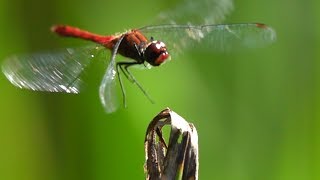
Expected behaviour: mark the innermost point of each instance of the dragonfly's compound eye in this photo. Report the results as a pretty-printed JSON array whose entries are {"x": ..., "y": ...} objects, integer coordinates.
[{"x": 156, "y": 53}]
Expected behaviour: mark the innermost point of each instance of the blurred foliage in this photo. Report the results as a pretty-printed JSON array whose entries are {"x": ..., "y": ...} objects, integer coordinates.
[{"x": 257, "y": 112}]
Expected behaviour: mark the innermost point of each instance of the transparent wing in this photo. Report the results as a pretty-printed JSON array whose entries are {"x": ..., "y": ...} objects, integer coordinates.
[
  {"x": 54, "y": 72},
  {"x": 219, "y": 37},
  {"x": 196, "y": 12},
  {"x": 107, "y": 89}
]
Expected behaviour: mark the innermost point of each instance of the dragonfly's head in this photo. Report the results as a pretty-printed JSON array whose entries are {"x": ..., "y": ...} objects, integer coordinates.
[{"x": 156, "y": 53}]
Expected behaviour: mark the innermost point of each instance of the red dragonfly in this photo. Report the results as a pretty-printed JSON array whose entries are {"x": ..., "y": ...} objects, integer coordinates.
[{"x": 60, "y": 71}]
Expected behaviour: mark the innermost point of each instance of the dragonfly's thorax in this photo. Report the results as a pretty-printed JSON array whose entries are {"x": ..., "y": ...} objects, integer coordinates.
[{"x": 133, "y": 46}]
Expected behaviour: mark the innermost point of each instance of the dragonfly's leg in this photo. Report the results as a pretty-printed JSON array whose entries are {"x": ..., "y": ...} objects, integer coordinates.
[
  {"x": 126, "y": 66},
  {"x": 128, "y": 76},
  {"x": 137, "y": 82},
  {"x": 119, "y": 67},
  {"x": 121, "y": 84},
  {"x": 131, "y": 77}
]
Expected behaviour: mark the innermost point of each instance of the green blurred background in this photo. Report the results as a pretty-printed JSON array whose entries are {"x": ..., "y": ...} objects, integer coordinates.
[{"x": 257, "y": 113}]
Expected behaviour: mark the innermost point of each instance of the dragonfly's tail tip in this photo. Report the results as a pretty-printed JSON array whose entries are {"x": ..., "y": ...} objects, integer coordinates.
[{"x": 53, "y": 28}]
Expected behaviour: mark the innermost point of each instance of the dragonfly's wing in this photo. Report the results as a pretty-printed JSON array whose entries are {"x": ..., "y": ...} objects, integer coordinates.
[
  {"x": 107, "y": 89},
  {"x": 54, "y": 72},
  {"x": 196, "y": 12},
  {"x": 219, "y": 37}
]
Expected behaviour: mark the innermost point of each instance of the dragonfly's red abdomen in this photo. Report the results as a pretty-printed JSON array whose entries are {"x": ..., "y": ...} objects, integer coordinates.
[{"x": 70, "y": 31}]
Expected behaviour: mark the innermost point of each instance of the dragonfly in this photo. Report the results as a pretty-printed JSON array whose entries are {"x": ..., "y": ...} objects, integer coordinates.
[{"x": 61, "y": 71}]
